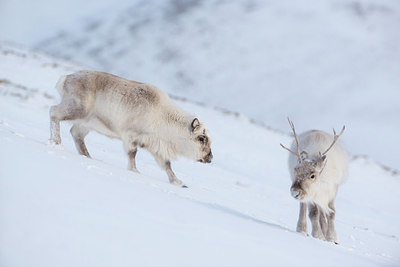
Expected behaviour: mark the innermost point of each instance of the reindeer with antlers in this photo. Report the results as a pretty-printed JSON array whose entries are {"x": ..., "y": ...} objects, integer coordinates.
[{"x": 318, "y": 166}]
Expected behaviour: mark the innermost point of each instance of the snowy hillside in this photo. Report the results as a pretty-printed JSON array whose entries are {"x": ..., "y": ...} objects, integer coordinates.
[
  {"x": 58, "y": 208},
  {"x": 323, "y": 63}
]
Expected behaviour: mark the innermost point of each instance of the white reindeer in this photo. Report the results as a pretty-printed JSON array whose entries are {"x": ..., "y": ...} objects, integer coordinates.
[
  {"x": 316, "y": 176},
  {"x": 139, "y": 114}
]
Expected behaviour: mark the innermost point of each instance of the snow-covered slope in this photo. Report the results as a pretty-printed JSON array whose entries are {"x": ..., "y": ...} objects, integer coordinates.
[
  {"x": 58, "y": 208},
  {"x": 26, "y": 22},
  {"x": 323, "y": 63}
]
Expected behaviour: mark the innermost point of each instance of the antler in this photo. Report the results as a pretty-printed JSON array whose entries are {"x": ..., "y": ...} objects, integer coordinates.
[
  {"x": 335, "y": 138},
  {"x": 297, "y": 142}
]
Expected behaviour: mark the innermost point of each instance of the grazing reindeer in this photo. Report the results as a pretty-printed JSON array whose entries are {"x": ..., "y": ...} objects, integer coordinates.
[
  {"x": 139, "y": 114},
  {"x": 316, "y": 176}
]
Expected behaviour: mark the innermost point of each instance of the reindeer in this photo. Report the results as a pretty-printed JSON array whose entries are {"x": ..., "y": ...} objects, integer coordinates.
[
  {"x": 316, "y": 176},
  {"x": 137, "y": 113}
]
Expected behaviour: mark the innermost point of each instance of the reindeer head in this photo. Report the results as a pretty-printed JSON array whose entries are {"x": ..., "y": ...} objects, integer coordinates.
[
  {"x": 201, "y": 142},
  {"x": 308, "y": 171},
  {"x": 307, "y": 175}
]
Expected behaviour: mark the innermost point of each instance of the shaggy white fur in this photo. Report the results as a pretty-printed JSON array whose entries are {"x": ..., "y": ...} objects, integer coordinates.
[
  {"x": 316, "y": 179},
  {"x": 137, "y": 113}
]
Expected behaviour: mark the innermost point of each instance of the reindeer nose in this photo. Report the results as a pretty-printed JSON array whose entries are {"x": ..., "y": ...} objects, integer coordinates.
[
  {"x": 208, "y": 158},
  {"x": 295, "y": 190},
  {"x": 295, "y": 193}
]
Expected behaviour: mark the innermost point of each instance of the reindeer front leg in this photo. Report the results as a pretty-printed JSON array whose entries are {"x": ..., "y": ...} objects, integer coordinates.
[
  {"x": 166, "y": 165},
  {"x": 322, "y": 222},
  {"x": 331, "y": 232},
  {"x": 130, "y": 147},
  {"x": 302, "y": 222},
  {"x": 314, "y": 217}
]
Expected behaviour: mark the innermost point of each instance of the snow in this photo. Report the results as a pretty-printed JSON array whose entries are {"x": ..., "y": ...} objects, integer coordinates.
[
  {"x": 48, "y": 17},
  {"x": 58, "y": 208},
  {"x": 323, "y": 63}
]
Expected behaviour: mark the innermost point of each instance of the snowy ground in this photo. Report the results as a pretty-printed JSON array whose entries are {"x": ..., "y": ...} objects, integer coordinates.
[
  {"x": 58, "y": 208},
  {"x": 323, "y": 63}
]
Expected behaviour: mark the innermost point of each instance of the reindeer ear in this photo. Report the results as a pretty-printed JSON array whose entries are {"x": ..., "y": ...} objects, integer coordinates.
[
  {"x": 195, "y": 123},
  {"x": 303, "y": 155},
  {"x": 321, "y": 163}
]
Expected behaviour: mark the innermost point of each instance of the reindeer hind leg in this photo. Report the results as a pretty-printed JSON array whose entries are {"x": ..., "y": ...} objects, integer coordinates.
[
  {"x": 55, "y": 125},
  {"x": 79, "y": 132},
  {"x": 66, "y": 110}
]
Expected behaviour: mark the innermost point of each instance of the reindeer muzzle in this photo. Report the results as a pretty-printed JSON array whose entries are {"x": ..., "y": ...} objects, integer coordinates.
[
  {"x": 296, "y": 191},
  {"x": 208, "y": 158}
]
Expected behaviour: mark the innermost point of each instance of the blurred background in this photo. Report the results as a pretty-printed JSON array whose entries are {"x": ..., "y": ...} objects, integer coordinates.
[{"x": 322, "y": 63}]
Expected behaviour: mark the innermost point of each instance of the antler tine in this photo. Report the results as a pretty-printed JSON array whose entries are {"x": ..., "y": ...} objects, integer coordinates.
[
  {"x": 289, "y": 149},
  {"x": 297, "y": 141},
  {"x": 335, "y": 138},
  {"x": 295, "y": 136}
]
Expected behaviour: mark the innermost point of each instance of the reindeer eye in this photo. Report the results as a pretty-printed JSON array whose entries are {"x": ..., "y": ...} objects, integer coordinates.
[
  {"x": 202, "y": 139},
  {"x": 312, "y": 176}
]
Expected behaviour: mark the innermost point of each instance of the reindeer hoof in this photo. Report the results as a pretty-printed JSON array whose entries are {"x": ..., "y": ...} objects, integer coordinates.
[
  {"x": 55, "y": 144},
  {"x": 52, "y": 142},
  {"x": 184, "y": 186},
  {"x": 333, "y": 239}
]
